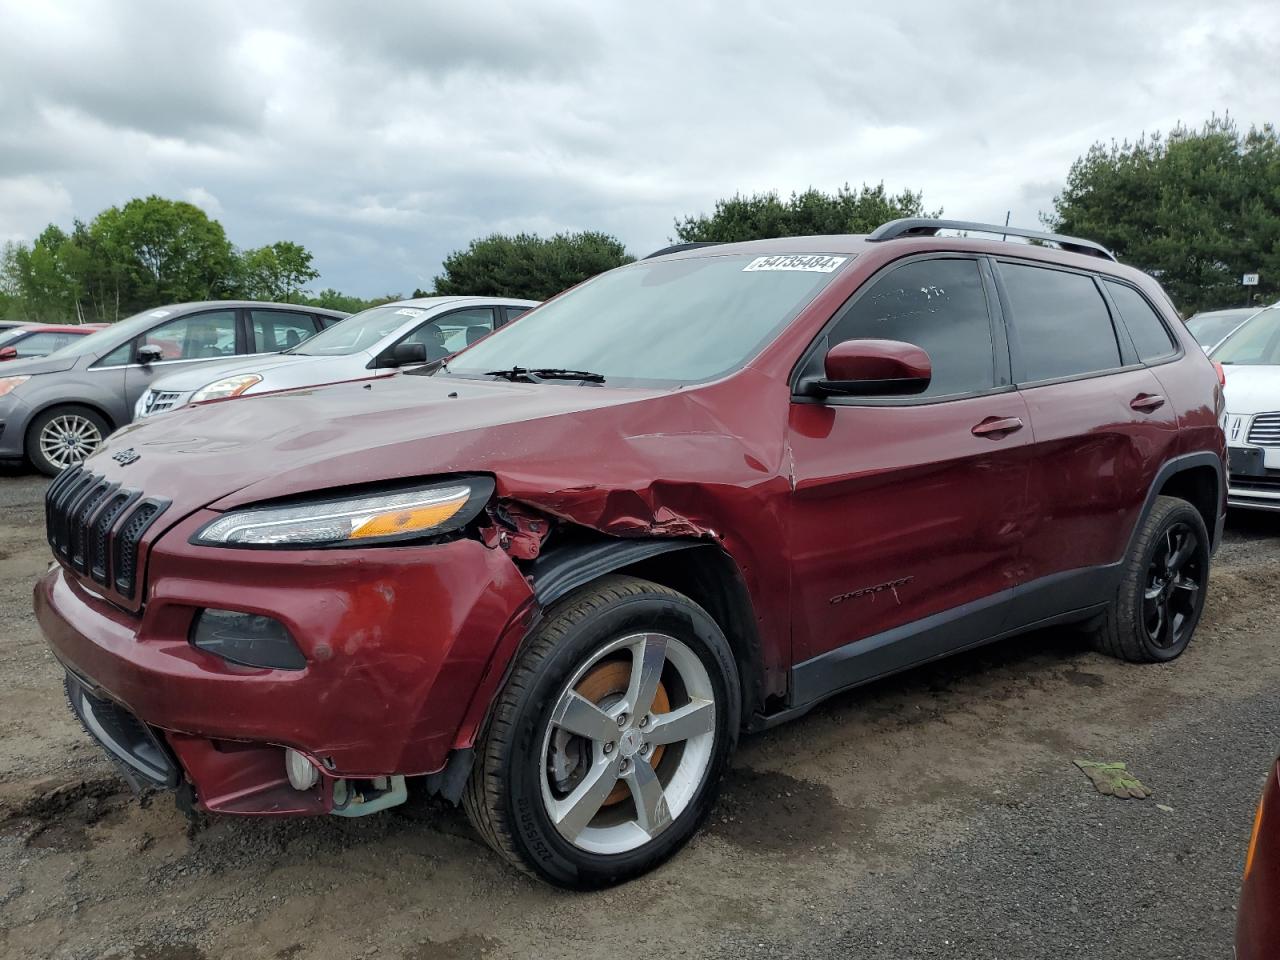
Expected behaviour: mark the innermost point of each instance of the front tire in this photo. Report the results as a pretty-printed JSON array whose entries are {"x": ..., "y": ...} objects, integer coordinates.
[
  {"x": 1162, "y": 593},
  {"x": 63, "y": 436},
  {"x": 605, "y": 748}
]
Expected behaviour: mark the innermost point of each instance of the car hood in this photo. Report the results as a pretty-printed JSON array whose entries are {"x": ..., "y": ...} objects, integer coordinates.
[
  {"x": 191, "y": 380},
  {"x": 50, "y": 364},
  {"x": 629, "y": 461},
  {"x": 1252, "y": 389}
]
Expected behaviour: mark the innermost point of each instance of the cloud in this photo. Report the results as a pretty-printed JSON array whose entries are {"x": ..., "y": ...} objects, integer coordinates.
[
  {"x": 28, "y": 203},
  {"x": 385, "y": 137},
  {"x": 203, "y": 199}
]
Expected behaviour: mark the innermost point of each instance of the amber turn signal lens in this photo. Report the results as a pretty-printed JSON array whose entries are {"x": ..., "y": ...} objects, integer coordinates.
[{"x": 410, "y": 520}]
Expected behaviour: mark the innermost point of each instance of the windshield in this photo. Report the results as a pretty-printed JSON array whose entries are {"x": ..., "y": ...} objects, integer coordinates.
[
  {"x": 1209, "y": 328},
  {"x": 1257, "y": 343},
  {"x": 685, "y": 320},
  {"x": 359, "y": 332}
]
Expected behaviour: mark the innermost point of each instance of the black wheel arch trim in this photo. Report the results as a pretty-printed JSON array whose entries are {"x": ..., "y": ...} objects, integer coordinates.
[
  {"x": 558, "y": 571},
  {"x": 1172, "y": 467}
]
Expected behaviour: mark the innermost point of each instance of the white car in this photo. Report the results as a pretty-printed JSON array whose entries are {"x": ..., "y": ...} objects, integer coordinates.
[
  {"x": 1251, "y": 358},
  {"x": 373, "y": 343}
]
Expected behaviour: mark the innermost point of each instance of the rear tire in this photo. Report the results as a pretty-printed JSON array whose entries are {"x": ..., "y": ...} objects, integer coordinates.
[
  {"x": 1162, "y": 593},
  {"x": 63, "y": 436},
  {"x": 578, "y": 780}
]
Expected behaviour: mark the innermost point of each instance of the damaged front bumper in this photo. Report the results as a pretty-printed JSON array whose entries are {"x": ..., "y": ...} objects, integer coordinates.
[{"x": 399, "y": 646}]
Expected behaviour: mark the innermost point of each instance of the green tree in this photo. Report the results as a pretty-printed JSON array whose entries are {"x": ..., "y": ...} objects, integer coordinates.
[
  {"x": 528, "y": 266},
  {"x": 1197, "y": 209},
  {"x": 277, "y": 271},
  {"x": 169, "y": 251},
  {"x": 764, "y": 215}
]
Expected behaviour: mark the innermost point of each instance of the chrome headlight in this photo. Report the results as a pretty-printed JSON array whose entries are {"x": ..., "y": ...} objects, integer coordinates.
[
  {"x": 226, "y": 387},
  {"x": 393, "y": 516}
]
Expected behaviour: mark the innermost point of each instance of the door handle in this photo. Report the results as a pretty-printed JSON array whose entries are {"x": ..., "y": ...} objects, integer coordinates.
[
  {"x": 1147, "y": 402},
  {"x": 997, "y": 427}
]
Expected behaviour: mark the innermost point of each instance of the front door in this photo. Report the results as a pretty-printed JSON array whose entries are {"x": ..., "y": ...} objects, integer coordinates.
[
  {"x": 906, "y": 518},
  {"x": 183, "y": 342}
]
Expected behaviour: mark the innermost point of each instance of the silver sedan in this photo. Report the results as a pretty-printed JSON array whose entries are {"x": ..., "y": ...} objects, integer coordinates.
[{"x": 374, "y": 343}]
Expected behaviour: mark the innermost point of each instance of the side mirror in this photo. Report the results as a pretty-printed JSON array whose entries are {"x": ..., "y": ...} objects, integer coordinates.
[
  {"x": 149, "y": 354},
  {"x": 8, "y": 353},
  {"x": 875, "y": 368},
  {"x": 404, "y": 354}
]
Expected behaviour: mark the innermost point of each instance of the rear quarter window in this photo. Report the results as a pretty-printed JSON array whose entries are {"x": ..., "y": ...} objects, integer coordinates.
[
  {"x": 1150, "y": 336},
  {"x": 1060, "y": 324}
]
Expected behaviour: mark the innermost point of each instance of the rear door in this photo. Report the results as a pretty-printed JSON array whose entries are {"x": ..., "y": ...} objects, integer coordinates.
[
  {"x": 271, "y": 331},
  {"x": 1101, "y": 427},
  {"x": 904, "y": 525}
]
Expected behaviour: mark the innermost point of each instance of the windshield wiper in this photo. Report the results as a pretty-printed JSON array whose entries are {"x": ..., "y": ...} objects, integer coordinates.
[{"x": 538, "y": 374}]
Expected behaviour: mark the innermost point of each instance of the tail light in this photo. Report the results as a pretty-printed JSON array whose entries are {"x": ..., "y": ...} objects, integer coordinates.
[{"x": 1222, "y": 373}]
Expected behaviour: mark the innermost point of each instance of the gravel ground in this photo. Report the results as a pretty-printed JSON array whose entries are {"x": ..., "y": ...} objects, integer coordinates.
[{"x": 933, "y": 814}]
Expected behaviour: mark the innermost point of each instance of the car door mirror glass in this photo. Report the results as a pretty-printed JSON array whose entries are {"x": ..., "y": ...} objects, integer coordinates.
[{"x": 875, "y": 368}]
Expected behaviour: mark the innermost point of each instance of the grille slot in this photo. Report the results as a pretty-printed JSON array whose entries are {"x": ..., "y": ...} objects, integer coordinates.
[
  {"x": 1265, "y": 430},
  {"x": 159, "y": 401},
  {"x": 96, "y": 527},
  {"x": 81, "y": 529},
  {"x": 99, "y": 556},
  {"x": 124, "y": 555}
]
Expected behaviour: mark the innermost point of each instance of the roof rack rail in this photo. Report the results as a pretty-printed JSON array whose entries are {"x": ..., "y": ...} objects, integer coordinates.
[
  {"x": 928, "y": 227},
  {"x": 677, "y": 247}
]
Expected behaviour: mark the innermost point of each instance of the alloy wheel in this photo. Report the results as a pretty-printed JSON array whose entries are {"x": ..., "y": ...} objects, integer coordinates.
[
  {"x": 1175, "y": 580},
  {"x": 69, "y": 438},
  {"x": 628, "y": 743}
]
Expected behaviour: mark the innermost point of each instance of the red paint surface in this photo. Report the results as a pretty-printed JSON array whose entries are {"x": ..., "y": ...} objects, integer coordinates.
[{"x": 407, "y": 646}]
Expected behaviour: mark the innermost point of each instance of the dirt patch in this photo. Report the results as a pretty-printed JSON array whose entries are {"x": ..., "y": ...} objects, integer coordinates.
[
  {"x": 763, "y": 811},
  {"x": 466, "y": 947}
]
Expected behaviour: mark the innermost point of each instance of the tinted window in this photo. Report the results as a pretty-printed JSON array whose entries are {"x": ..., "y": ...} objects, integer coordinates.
[
  {"x": 1149, "y": 334},
  {"x": 1060, "y": 323},
  {"x": 275, "y": 330},
  {"x": 197, "y": 336},
  {"x": 938, "y": 305},
  {"x": 513, "y": 312}
]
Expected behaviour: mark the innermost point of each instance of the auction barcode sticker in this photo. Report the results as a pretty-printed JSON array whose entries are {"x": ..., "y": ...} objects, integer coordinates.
[
  {"x": 409, "y": 312},
  {"x": 812, "y": 263}
]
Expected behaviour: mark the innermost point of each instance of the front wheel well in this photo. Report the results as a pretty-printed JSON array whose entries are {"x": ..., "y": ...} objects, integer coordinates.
[
  {"x": 700, "y": 570},
  {"x": 709, "y": 577}
]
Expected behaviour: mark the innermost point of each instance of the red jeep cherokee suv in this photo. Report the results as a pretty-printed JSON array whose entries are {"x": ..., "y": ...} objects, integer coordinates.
[{"x": 696, "y": 494}]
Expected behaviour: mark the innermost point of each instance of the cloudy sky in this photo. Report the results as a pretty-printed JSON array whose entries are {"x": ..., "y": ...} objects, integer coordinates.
[{"x": 383, "y": 136}]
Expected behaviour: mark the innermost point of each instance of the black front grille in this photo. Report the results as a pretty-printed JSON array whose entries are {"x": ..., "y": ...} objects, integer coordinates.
[{"x": 96, "y": 526}]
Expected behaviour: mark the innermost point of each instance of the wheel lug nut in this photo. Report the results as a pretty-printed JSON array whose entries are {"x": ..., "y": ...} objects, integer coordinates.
[
  {"x": 622, "y": 719},
  {"x": 644, "y": 722},
  {"x": 608, "y": 747}
]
